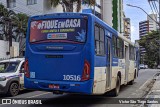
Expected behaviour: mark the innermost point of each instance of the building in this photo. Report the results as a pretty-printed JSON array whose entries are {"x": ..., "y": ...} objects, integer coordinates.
[
  {"x": 111, "y": 11},
  {"x": 14, "y": 50},
  {"x": 30, "y": 7},
  {"x": 113, "y": 14},
  {"x": 127, "y": 28},
  {"x": 144, "y": 28}
]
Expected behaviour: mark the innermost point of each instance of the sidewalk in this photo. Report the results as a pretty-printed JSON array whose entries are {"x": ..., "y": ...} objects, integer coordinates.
[{"x": 154, "y": 94}]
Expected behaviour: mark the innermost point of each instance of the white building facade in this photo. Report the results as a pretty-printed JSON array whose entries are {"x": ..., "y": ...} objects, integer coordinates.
[
  {"x": 30, "y": 7},
  {"x": 111, "y": 11},
  {"x": 14, "y": 50}
]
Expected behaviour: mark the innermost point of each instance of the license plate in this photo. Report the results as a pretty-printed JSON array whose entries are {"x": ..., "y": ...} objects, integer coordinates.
[{"x": 54, "y": 86}]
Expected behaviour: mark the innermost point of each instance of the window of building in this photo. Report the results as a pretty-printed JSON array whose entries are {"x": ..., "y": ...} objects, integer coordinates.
[
  {"x": 99, "y": 41},
  {"x": 11, "y": 3},
  {"x": 31, "y": 2}
]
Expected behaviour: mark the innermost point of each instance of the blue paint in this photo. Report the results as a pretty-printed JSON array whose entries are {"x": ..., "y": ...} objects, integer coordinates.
[{"x": 51, "y": 70}]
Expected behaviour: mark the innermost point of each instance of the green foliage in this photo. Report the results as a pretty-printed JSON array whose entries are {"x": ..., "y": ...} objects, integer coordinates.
[
  {"x": 151, "y": 45},
  {"x": 18, "y": 22},
  {"x": 67, "y": 5}
]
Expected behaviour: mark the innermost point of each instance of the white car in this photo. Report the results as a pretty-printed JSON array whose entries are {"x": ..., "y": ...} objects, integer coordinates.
[
  {"x": 141, "y": 66},
  {"x": 11, "y": 76}
]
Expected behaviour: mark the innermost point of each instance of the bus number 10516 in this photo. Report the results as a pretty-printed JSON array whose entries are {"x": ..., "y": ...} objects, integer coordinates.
[{"x": 72, "y": 77}]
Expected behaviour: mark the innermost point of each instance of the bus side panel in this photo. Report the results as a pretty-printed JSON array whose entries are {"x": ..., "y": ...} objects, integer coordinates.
[
  {"x": 114, "y": 71},
  {"x": 121, "y": 64},
  {"x": 99, "y": 75},
  {"x": 131, "y": 70}
]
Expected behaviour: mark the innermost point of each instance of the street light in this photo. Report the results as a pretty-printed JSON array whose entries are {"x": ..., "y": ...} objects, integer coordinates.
[
  {"x": 144, "y": 12},
  {"x": 152, "y": 19}
]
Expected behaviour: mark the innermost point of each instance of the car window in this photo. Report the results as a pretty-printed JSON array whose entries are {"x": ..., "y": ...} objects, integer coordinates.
[{"x": 8, "y": 67}]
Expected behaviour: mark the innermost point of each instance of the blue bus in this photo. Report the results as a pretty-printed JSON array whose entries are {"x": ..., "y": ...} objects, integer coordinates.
[{"x": 77, "y": 53}]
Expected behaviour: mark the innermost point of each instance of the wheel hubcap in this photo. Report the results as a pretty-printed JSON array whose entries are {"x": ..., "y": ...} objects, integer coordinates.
[{"x": 14, "y": 89}]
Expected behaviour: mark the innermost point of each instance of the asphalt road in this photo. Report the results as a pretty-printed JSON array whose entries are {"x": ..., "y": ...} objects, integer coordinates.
[{"x": 128, "y": 91}]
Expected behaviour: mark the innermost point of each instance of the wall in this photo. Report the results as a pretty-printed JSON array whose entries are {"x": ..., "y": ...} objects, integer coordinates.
[{"x": 5, "y": 48}]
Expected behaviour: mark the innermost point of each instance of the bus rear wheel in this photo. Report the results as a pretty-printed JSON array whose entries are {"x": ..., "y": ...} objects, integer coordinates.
[{"x": 115, "y": 92}]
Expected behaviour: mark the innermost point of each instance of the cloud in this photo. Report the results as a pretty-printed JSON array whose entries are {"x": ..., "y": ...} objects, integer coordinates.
[{"x": 134, "y": 33}]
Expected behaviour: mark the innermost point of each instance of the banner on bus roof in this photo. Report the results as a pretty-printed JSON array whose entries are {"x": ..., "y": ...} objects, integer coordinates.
[{"x": 58, "y": 29}]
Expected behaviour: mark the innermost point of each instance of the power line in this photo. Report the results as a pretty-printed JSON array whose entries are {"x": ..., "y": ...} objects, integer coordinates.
[
  {"x": 151, "y": 7},
  {"x": 155, "y": 7},
  {"x": 152, "y": 10}
]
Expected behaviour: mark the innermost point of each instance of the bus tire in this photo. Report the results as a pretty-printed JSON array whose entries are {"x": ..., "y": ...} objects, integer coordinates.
[
  {"x": 131, "y": 82},
  {"x": 13, "y": 89},
  {"x": 115, "y": 92}
]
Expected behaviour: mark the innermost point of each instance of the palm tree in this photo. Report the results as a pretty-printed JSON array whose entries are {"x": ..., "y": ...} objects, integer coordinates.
[
  {"x": 19, "y": 30},
  {"x": 6, "y": 17},
  {"x": 20, "y": 26},
  {"x": 67, "y": 5}
]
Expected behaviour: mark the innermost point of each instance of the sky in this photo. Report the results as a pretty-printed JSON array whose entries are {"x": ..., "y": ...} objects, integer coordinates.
[{"x": 136, "y": 15}]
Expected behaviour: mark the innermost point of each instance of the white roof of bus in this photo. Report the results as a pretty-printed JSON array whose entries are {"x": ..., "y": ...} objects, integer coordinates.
[{"x": 125, "y": 39}]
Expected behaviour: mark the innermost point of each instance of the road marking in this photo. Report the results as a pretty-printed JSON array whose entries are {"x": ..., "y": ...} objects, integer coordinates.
[
  {"x": 39, "y": 95},
  {"x": 142, "y": 86}
]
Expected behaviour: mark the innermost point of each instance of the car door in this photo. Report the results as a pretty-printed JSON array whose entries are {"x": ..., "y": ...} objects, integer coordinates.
[{"x": 21, "y": 74}]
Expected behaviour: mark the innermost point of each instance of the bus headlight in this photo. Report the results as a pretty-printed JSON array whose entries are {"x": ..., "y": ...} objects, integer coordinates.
[{"x": 2, "y": 78}]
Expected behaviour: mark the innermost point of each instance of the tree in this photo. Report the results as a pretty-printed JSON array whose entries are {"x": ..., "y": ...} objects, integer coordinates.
[
  {"x": 68, "y": 5},
  {"x": 151, "y": 45},
  {"x": 6, "y": 17},
  {"x": 20, "y": 26},
  {"x": 16, "y": 22}
]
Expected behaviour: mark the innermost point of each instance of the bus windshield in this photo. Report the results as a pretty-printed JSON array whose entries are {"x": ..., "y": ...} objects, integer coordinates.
[{"x": 73, "y": 30}]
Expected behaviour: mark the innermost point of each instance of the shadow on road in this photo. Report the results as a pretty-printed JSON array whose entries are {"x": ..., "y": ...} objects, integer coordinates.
[
  {"x": 20, "y": 93},
  {"x": 77, "y": 100}
]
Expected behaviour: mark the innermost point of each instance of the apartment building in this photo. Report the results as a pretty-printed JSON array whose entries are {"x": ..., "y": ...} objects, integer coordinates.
[
  {"x": 127, "y": 28},
  {"x": 144, "y": 28}
]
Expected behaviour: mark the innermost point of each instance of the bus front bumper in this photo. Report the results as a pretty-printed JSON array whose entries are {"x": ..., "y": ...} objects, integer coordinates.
[{"x": 84, "y": 87}]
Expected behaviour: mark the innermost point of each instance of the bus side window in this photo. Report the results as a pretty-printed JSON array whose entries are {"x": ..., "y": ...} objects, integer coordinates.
[
  {"x": 99, "y": 41},
  {"x": 97, "y": 47},
  {"x": 114, "y": 45},
  {"x": 120, "y": 48},
  {"x": 131, "y": 53}
]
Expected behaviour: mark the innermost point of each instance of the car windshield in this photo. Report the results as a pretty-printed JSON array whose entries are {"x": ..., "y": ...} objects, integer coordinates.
[
  {"x": 141, "y": 64},
  {"x": 8, "y": 67}
]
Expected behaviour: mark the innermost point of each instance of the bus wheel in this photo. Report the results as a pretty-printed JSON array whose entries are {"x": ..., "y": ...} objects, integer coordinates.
[
  {"x": 13, "y": 89},
  {"x": 115, "y": 92},
  {"x": 131, "y": 82}
]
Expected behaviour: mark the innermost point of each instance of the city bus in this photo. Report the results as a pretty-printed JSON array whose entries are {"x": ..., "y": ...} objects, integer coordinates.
[{"x": 77, "y": 53}]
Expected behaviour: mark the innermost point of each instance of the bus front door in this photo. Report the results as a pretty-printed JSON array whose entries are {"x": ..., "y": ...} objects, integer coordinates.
[{"x": 108, "y": 64}]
